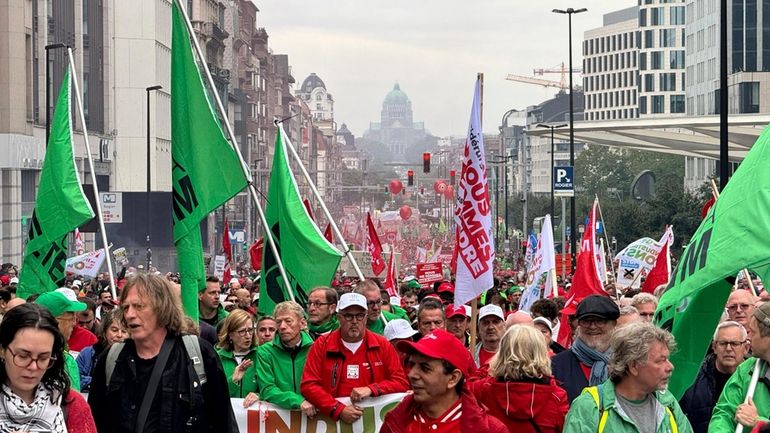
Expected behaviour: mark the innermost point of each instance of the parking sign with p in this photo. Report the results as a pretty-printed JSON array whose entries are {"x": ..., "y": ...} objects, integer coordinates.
[{"x": 564, "y": 181}]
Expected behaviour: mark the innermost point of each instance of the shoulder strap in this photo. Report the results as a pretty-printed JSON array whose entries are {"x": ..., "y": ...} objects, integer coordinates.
[
  {"x": 112, "y": 358},
  {"x": 595, "y": 391},
  {"x": 193, "y": 347},
  {"x": 672, "y": 420},
  {"x": 152, "y": 385}
]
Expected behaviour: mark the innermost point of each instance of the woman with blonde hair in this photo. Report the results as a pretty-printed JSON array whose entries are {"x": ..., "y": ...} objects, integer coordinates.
[
  {"x": 237, "y": 349},
  {"x": 520, "y": 390}
]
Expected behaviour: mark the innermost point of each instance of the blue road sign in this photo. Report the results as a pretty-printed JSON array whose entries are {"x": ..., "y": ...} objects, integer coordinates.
[{"x": 564, "y": 181}]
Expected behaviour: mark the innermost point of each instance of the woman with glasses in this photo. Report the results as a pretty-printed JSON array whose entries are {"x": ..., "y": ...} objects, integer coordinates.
[
  {"x": 36, "y": 394},
  {"x": 109, "y": 332},
  {"x": 237, "y": 351}
]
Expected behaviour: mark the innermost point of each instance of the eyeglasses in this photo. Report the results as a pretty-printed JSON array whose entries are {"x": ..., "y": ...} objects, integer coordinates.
[
  {"x": 593, "y": 321},
  {"x": 23, "y": 360},
  {"x": 734, "y": 307},
  {"x": 316, "y": 304},
  {"x": 245, "y": 331},
  {"x": 724, "y": 344},
  {"x": 374, "y": 303},
  {"x": 351, "y": 316}
]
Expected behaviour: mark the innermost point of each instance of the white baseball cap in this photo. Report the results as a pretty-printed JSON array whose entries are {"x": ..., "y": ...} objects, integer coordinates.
[
  {"x": 77, "y": 283},
  {"x": 350, "y": 300},
  {"x": 398, "y": 329},
  {"x": 544, "y": 321},
  {"x": 492, "y": 310},
  {"x": 395, "y": 300},
  {"x": 14, "y": 280}
]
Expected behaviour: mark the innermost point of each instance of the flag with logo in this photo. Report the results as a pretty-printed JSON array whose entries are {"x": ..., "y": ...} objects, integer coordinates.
[
  {"x": 60, "y": 205},
  {"x": 390, "y": 279},
  {"x": 205, "y": 170},
  {"x": 660, "y": 273},
  {"x": 473, "y": 217},
  {"x": 529, "y": 254},
  {"x": 308, "y": 258},
  {"x": 227, "y": 248},
  {"x": 733, "y": 236},
  {"x": 636, "y": 260},
  {"x": 80, "y": 247},
  {"x": 87, "y": 264},
  {"x": 374, "y": 247},
  {"x": 539, "y": 275}
]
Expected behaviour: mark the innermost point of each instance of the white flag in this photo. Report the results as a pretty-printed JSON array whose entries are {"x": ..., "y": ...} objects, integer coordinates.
[
  {"x": 80, "y": 247},
  {"x": 635, "y": 261},
  {"x": 539, "y": 275},
  {"x": 473, "y": 217},
  {"x": 86, "y": 264}
]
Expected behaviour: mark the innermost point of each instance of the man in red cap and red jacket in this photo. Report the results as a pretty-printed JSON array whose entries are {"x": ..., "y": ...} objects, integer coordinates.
[
  {"x": 439, "y": 364},
  {"x": 350, "y": 362}
]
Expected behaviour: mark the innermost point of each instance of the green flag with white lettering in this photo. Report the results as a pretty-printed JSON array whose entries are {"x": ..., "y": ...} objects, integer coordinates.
[
  {"x": 308, "y": 258},
  {"x": 733, "y": 236},
  {"x": 60, "y": 205},
  {"x": 206, "y": 171}
]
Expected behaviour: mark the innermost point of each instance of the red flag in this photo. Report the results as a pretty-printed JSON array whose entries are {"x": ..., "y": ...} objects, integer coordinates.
[
  {"x": 705, "y": 209},
  {"x": 255, "y": 254},
  {"x": 390, "y": 279},
  {"x": 308, "y": 208},
  {"x": 374, "y": 247},
  {"x": 586, "y": 280},
  {"x": 661, "y": 271},
  {"x": 328, "y": 233},
  {"x": 227, "y": 248}
]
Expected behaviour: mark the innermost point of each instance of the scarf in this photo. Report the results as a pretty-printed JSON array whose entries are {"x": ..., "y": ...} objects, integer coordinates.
[
  {"x": 40, "y": 416},
  {"x": 325, "y": 328},
  {"x": 592, "y": 358}
]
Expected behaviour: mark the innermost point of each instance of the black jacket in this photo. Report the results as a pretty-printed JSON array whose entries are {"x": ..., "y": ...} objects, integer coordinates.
[
  {"x": 185, "y": 406},
  {"x": 699, "y": 400},
  {"x": 567, "y": 372}
]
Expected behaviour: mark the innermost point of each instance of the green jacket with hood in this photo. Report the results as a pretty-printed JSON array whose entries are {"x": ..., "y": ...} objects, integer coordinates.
[
  {"x": 734, "y": 393},
  {"x": 279, "y": 371},
  {"x": 248, "y": 382}
]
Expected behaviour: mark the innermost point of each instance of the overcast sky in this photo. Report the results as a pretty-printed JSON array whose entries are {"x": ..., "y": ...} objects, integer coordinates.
[{"x": 432, "y": 48}]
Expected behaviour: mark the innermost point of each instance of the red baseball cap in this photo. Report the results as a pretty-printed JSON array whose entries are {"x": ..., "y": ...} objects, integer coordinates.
[
  {"x": 440, "y": 344},
  {"x": 451, "y": 311},
  {"x": 445, "y": 287}
]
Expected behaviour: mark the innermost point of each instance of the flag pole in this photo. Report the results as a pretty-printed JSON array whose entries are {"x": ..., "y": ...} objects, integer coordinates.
[
  {"x": 475, "y": 301},
  {"x": 234, "y": 145},
  {"x": 346, "y": 249},
  {"x": 604, "y": 229},
  {"x": 95, "y": 187}
]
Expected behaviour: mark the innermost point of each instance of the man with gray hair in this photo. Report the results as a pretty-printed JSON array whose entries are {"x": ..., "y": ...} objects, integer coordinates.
[
  {"x": 645, "y": 304},
  {"x": 635, "y": 398},
  {"x": 628, "y": 314},
  {"x": 730, "y": 346}
]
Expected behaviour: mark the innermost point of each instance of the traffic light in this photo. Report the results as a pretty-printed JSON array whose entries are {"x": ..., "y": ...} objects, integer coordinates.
[
  {"x": 426, "y": 162},
  {"x": 410, "y": 177},
  {"x": 452, "y": 177}
]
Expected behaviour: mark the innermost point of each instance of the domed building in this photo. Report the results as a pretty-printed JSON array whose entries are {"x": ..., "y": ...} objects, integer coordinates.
[
  {"x": 313, "y": 92},
  {"x": 396, "y": 130}
]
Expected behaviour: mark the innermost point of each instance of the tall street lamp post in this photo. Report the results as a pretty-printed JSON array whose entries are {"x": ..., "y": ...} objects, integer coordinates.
[
  {"x": 149, "y": 188},
  {"x": 552, "y": 127},
  {"x": 569, "y": 12}
]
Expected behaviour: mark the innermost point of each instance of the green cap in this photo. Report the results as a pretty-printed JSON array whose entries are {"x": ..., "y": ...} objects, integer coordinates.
[
  {"x": 514, "y": 289},
  {"x": 59, "y": 302},
  {"x": 414, "y": 284}
]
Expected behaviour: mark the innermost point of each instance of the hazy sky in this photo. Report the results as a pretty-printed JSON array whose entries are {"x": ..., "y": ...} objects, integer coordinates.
[{"x": 432, "y": 48}]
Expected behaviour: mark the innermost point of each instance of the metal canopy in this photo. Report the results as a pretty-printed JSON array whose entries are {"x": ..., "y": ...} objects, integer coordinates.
[{"x": 689, "y": 136}]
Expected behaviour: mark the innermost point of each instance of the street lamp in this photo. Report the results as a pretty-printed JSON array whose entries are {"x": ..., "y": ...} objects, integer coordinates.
[
  {"x": 569, "y": 12},
  {"x": 149, "y": 188},
  {"x": 552, "y": 127}
]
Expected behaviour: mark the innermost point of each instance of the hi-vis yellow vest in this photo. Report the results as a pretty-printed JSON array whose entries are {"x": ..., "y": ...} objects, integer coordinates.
[{"x": 594, "y": 391}]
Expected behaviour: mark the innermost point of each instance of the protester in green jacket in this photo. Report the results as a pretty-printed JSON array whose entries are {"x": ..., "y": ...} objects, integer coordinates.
[
  {"x": 375, "y": 313},
  {"x": 210, "y": 309},
  {"x": 63, "y": 304},
  {"x": 634, "y": 398},
  {"x": 237, "y": 350},
  {"x": 730, "y": 408},
  {"x": 321, "y": 311},
  {"x": 280, "y": 362}
]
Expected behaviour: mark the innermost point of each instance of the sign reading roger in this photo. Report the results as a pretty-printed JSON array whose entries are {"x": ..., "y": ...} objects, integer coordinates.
[{"x": 564, "y": 181}]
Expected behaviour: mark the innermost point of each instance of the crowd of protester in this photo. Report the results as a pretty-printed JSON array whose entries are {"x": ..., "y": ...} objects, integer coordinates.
[{"x": 148, "y": 368}]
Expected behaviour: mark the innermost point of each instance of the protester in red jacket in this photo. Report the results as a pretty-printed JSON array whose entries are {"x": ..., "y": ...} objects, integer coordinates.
[
  {"x": 520, "y": 390},
  {"x": 350, "y": 362},
  {"x": 440, "y": 402}
]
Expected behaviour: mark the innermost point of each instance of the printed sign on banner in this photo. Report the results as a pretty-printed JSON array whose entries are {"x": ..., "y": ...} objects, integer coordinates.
[
  {"x": 86, "y": 264},
  {"x": 638, "y": 257},
  {"x": 364, "y": 261},
  {"x": 219, "y": 266},
  {"x": 268, "y": 418},
  {"x": 429, "y": 273}
]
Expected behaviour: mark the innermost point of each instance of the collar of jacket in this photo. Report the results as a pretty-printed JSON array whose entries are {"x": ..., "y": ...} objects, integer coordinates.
[
  {"x": 305, "y": 341},
  {"x": 335, "y": 341}
]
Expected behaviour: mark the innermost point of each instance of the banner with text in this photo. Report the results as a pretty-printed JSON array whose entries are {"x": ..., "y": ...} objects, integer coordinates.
[
  {"x": 429, "y": 273},
  {"x": 636, "y": 258},
  {"x": 86, "y": 264}
]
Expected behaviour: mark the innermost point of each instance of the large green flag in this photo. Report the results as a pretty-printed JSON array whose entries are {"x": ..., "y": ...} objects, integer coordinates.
[
  {"x": 206, "y": 171},
  {"x": 308, "y": 258},
  {"x": 733, "y": 236},
  {"x": 60, "y": 205}
]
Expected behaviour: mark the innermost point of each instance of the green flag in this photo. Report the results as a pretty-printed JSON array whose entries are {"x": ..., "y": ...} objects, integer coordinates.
[
  {"x": 206, "y": 171},
  {"x": 308, "y": 258},
  {"x": 733, "y": 236},
  {"x": 60, "y": 206}
]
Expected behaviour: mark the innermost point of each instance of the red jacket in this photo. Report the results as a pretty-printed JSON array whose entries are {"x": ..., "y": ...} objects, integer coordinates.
[
  {"x": 78, "y": 414},
  {"x": 520, "y": 404},
  {"x": 80, "y": 339},
  {"x": 331, "y": 368},
  {"x": 473, "y": 419}
]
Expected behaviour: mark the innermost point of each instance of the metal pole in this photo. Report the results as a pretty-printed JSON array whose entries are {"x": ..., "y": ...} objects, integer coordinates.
[
  {"x": 552, "y": 178},
  {"x": 563, "y": 238},
  {"x": 149, "y": 177},
  {"x": 234, "y": 145},
  {"x": 724, "y": 163},
  {"x": 93, "y": 173},
  {"x": 573, "y": 239}
]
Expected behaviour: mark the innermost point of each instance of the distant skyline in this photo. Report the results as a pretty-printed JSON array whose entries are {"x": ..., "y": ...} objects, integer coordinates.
[{"x": 432, "y": 48}]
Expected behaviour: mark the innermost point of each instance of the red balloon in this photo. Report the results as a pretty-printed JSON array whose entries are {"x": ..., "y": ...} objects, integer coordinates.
[
  {"x": 395, "y": 186},
  {"x": 439, "y": 186},
  {"x": 405, "y": 212},
  {"x": 449, "y": 192}
]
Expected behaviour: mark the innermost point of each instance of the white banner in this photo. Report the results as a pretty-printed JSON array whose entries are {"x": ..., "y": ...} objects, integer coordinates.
[
  {"x": 219, "y": 266},
  {"x": 86, "y": 264},
  {"x": 473, "y": 216},
  {"x": 268, "y": 418},
  {"x": 539, "y": 274},
  {"x": 636, "y": 258}
]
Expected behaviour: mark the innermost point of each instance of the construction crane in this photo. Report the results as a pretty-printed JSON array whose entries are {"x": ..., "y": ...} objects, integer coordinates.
[
  {"x": 537, "y": 81},
  {"x": 558, "y": 69}
]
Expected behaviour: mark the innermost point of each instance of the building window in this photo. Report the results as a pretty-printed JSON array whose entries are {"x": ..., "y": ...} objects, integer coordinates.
[
  {"x": 657, "y": 103},
  {"x": 749, "y": 97},
  {"x": 668, "y": 37},
  {"x": 677, "y": 103},
  {"x": 642, "y": 17},
  {"x": 642, "y": 61},
  {"x": 649, "y": 39},
  {"x": 649, "y": 82},
  {"x": 677, "y": 59},
  {"x": 642, "y": 105},
  {"x": 677, "y": 15},
  {"x": 656, "y": 16},
  {"x": 656, "y": 60},
  {"x": 668, "y": 82}
]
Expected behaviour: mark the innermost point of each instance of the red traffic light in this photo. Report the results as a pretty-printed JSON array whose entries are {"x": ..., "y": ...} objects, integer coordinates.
[
  {"x": 452, "y": 177},
  {"x": 410, "y": 177},
  {"x": 426, "y": 162}
]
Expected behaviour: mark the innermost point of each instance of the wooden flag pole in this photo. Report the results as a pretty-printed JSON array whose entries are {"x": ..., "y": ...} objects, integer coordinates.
[
  {"x": 99, "y": 215},
  {"x": 234, "y": 144}
]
